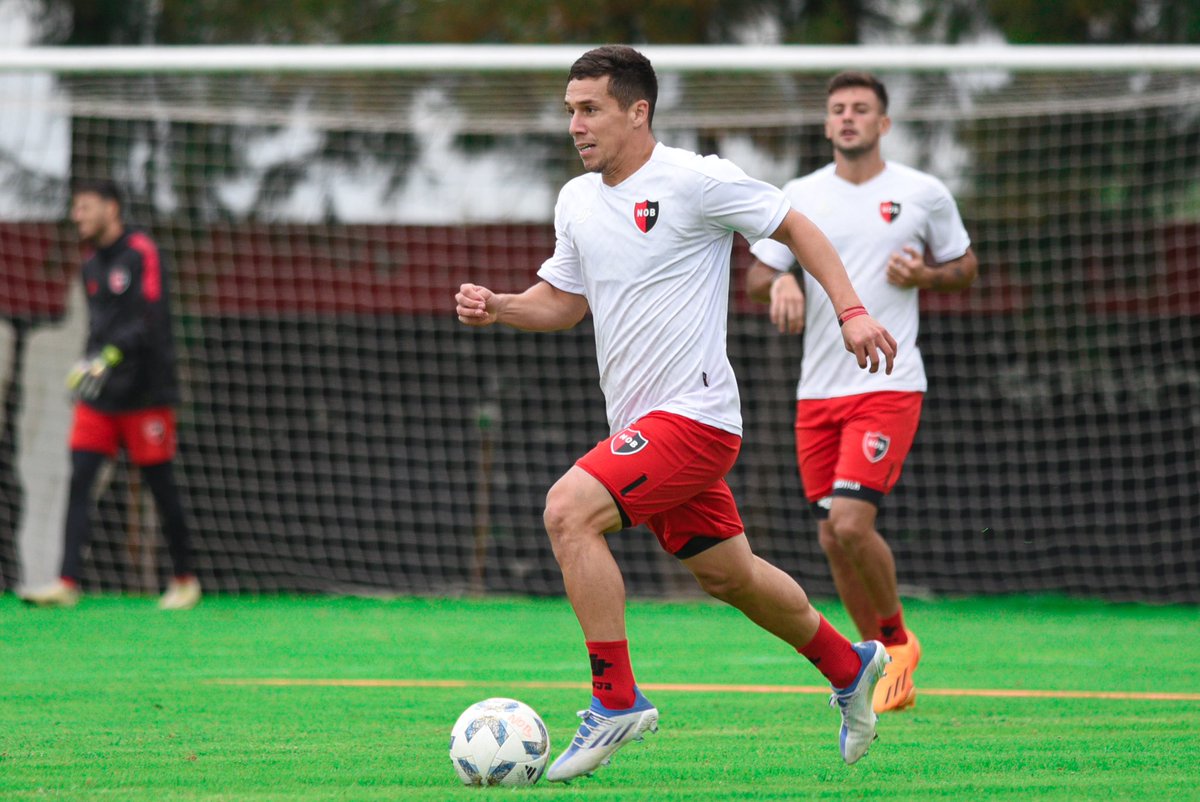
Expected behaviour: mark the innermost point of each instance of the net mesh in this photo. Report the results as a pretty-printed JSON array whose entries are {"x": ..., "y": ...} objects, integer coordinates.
[{"x": 340, "y": 431}]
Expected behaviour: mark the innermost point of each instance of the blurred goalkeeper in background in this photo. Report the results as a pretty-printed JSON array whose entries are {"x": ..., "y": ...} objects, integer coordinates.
[
  {"x": 898, "y": 231},
  {"x": 643, "y": 243},
  {"x": 125, "y": 388}
]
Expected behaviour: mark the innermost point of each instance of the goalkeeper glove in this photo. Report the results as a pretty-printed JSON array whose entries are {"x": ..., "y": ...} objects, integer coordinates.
[{"x": 88, "y": 376}]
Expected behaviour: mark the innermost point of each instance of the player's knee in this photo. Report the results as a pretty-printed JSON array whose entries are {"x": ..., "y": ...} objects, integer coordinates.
[
  {"x": 846, "y": 530},
  {"x": 554, "y": 516},
  {"x": 569, "y": 537},
  {"x": 578, "y": 506},
  {"x": 828, "y": 539},
  {"x": 561, "y": 514},
  {"x": 726, "y": 583}
]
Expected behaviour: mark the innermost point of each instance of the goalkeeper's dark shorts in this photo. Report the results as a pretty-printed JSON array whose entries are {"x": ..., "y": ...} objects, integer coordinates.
[
  {"x": 668, "y": 472},
  {"x": 148, "y": 435}
]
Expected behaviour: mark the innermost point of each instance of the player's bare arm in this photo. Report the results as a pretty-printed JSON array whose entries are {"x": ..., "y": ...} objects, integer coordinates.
[
  {"x": 780, "y": 289},
  {"x": 912, "y": 269},
  {"x": 542, "y": 307},
  {"x": 863, "y": 336}
]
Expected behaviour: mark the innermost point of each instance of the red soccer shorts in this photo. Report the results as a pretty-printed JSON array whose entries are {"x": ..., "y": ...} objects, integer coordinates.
[
  {"x": 855, "y": 445},
  {"x": 148, "y": 435},
  {"x": 668, "y": 472}
]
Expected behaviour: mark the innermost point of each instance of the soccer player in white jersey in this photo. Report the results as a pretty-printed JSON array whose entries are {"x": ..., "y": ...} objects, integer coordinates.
[
  {"x": 644, "y": 242},
  {"x": 898, "y": 231}
]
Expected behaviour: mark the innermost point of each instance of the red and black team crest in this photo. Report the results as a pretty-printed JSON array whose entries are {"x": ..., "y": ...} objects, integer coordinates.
[
  {"x": 626, "y": 442},
  {"x": 155, "y": 431},
  {"x": 645, "y": 214},
  {"x": 118, "y": 280},
  {"x": 889, "y": 211},
  {"x": 875, "y": 445}
]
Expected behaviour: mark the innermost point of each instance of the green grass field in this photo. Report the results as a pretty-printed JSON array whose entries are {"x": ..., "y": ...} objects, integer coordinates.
[{"x": 117, "y": 700}]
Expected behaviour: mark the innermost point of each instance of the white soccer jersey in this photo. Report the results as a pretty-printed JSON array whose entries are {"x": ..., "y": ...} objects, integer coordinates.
[
  {"x": 867, "y": 223},
  {"x": 651, "y": 255}
]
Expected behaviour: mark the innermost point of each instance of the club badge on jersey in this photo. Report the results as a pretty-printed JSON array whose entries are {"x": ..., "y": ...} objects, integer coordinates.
[
  {"x": 645, "y": 214},
  {"x": 118, "y": 280},
  {"x": 889, "y": 211}
]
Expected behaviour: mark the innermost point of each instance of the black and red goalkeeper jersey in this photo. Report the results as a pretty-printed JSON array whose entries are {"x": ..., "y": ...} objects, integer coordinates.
[{"x": 126, "y": 284}]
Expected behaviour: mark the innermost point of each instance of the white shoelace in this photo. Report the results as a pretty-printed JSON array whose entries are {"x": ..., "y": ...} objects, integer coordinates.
[{"x": 592, "y": 721}]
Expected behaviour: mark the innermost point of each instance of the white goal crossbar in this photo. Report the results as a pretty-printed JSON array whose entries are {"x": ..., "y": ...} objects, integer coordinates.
[{"x": 526, "y": 58}]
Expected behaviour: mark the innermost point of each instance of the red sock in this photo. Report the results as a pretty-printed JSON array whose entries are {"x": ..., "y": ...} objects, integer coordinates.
[
  {"x": 891, "y": 629},
  {"x": 612, "y": 675},
  {"x": 71, "y": 581},
  {"x": 833, "y": 655}
]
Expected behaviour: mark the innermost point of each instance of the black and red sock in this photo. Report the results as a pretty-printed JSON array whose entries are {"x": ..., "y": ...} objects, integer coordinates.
[
  {"x": 833, "y": 655},
  {"x": 612, "y": 674},
  {"x": 891, "y": 629}
]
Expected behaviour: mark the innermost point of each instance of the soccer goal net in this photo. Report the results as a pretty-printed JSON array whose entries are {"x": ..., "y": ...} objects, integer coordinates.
[{"x": 340, "y": 431}]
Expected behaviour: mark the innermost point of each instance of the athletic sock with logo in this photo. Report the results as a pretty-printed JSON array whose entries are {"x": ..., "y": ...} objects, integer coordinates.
[
  {"x": 833, "y": 655},
  {"x": 612, "y": 675},
  {"x": 892, "y": 632}
]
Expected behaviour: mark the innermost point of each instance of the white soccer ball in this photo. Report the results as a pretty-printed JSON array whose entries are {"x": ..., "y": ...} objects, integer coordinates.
[{"x": 499, "y": 742}]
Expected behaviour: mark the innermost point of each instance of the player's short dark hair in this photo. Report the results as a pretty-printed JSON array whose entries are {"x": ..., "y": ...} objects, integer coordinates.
[
  {"x": 630, "y": 75},
  {"x": 864, "y": 79},
  {"x": 106, "y": 188}
]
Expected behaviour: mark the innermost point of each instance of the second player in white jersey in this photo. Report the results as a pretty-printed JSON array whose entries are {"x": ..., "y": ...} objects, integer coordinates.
[
  {"x": 652, "y": 257},
  {"x": 898, "y": 231},
  {"x": 900, "y": 207}
]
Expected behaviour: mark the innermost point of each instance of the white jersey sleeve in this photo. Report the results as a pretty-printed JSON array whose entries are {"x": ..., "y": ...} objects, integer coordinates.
[
  {"x": 563, "y": 269},
  {"x": 945, "y": 235},
  {"x": 735, "y": 201},
  {"x": 773, "y": 254}
]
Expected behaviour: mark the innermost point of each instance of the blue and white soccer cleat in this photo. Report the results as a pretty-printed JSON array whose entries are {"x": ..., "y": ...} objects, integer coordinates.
[
  {"x": 603, "y": 732},
  {"x": 856, "y": 701}
]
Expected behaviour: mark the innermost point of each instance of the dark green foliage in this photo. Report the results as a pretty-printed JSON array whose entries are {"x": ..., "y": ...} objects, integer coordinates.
[{"x": 104, "y": 22}]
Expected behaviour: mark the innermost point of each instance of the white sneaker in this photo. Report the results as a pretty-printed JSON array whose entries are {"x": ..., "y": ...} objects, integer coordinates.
[
  {"x": 856, "y": 701},
  {"x": 56, "y": 594},
  {"x": 603, "y": 732},
  {"x": 182, "y": 594}
]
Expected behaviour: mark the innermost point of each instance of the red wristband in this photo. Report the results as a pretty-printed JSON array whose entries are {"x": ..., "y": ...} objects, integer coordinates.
[{"x": 854, "y": 311}]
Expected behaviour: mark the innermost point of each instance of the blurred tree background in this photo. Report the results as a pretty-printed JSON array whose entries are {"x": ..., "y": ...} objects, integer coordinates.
[{"x": 187, "y": 22}]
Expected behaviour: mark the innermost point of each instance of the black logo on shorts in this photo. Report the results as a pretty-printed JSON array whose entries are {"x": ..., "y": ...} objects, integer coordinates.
[
  {"x": 627, "y": 441},
  {"x": 875, "y": 445}
]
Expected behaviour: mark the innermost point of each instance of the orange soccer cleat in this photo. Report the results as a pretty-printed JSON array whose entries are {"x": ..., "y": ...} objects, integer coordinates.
[{"x": 896, "y": 690}]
